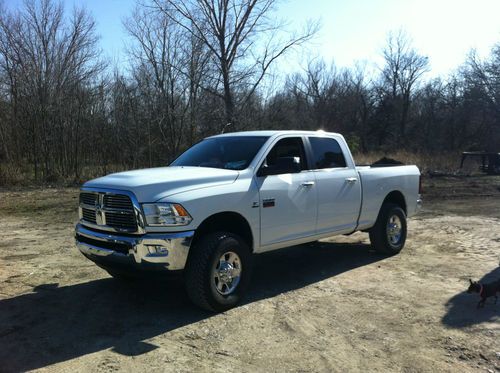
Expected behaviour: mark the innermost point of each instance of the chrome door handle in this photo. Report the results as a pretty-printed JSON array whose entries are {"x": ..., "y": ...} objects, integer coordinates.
[
  {"x": 351, "y": 180},
  {"x": 308, "y": 183}
]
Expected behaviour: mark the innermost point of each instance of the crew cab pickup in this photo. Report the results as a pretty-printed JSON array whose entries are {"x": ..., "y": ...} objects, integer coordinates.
[{"x": 234, "y": 195}]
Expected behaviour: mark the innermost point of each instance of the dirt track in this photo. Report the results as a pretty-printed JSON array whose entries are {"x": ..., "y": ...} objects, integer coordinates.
[{"x": 332, "y": 306}]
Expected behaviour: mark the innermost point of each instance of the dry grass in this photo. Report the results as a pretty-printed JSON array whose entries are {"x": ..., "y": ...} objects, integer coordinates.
[
  {"x": 55, "y": 205},
  {"x": 23, "y": 175},
  {"x": 11, "y": 174}
]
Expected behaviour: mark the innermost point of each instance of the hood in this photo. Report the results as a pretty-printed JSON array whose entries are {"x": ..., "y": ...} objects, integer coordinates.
[{"x": 153, "y": 184}]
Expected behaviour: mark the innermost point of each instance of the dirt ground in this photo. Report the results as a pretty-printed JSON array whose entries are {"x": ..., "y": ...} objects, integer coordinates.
[{"x": 330, "y": 306}]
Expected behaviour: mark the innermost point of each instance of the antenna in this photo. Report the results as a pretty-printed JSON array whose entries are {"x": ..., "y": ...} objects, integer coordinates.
[{"x": 224, "y": 128}]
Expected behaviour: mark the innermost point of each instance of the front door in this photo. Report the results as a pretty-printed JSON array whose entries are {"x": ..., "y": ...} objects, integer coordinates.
[{"x": 288, "y": 201}]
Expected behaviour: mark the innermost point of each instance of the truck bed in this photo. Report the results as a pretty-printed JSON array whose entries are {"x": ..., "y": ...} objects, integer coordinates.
[{"x": 378, "y": 181}]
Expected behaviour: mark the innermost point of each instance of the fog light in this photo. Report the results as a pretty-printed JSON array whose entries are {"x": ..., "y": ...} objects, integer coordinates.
[{"x": 157, "y": 249}]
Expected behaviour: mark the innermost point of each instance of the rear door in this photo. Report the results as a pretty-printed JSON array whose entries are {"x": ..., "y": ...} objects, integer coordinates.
[
  {"x": 337, "y": 183},
  {"x": 288, "y": 202}
]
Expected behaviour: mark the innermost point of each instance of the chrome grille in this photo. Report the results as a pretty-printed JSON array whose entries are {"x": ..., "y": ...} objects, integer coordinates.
[
  {"x": 118, "y": 201},
  {"x": 118, "y": 219},
  {"x": 108, "y": 211},
  {"x": 89, "y": 215},
  {"x": 88, "y": 198}
]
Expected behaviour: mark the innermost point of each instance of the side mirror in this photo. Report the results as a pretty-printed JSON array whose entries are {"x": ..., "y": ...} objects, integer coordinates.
[{"x": 284, "y": 165}]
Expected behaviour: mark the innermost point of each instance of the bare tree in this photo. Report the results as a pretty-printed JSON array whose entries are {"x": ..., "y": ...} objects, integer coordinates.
[
  {"x": 49, "y": 64},
  {"x": 242, "y": 39},
  {"x": 482, "y": 79},
  {"x": 196, "y": 62},
  {"x": 403, "y": 68},
  {"x": 170, "y": 69}
]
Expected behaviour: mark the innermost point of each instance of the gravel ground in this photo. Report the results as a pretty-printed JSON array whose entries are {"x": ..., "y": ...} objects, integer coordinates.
[{"x": 331, "y": 306}]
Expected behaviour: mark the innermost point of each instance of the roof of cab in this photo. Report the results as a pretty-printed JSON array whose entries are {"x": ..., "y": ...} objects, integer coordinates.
[{"x": 275, "y": 133}]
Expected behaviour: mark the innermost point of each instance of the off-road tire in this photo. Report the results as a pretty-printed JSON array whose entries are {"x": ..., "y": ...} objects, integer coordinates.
[
  {"x": 379, "y": 233},
  {"x": 203, "y": 256}
]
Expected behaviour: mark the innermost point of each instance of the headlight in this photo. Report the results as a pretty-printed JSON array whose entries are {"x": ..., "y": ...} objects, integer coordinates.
[{"x": 166, "y": 214}]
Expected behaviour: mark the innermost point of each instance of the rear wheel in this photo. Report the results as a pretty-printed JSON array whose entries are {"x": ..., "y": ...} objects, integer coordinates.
[
  {"x": 388, "y": 235},
  {"x": 218, "y": 271}
]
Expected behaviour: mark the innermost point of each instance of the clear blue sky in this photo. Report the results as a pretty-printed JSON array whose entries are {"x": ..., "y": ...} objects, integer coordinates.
[{"x": 352, "y": 30}]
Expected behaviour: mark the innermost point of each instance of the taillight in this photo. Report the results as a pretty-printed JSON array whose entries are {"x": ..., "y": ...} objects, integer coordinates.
[{"x": 420, "y": 189}]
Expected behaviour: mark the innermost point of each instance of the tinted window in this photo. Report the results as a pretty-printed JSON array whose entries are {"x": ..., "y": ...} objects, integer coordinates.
[
  {"x": 326, "y": 153},
  {"x": 233, "y": 153},
  {"x": 288, "y": 147}
]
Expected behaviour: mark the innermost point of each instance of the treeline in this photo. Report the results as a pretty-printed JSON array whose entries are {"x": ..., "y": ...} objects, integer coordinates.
[{"x": 198, "y": 68}]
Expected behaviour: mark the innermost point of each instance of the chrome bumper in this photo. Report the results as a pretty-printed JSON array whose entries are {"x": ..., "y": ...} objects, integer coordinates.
[{"x": 169, "y": 251}]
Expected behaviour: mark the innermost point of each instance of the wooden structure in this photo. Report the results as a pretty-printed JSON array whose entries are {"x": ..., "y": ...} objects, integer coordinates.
[{"x": 490, "y": 162}]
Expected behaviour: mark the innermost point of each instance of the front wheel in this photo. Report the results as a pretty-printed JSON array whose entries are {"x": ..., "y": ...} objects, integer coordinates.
[
  {"x": 218, "y": 271},
  {"x": 388, "y": 235}
]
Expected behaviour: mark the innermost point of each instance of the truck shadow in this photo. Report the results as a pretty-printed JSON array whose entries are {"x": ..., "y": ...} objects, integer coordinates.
[
  {"x": 461, "y": 308},
  {"x": 54, "y": 324}
]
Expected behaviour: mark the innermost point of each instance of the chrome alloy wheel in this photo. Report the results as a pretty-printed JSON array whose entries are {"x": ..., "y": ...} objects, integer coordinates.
[
  {"x": 394, "y": 227},
  {"x": 227, "y": 273}
]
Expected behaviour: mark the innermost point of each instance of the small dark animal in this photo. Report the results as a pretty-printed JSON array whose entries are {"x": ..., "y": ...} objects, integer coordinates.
[{"x": 484, "y": 290}]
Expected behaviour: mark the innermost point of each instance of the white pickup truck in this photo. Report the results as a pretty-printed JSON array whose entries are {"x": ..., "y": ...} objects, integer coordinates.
[{"x": 234, "y": 195}]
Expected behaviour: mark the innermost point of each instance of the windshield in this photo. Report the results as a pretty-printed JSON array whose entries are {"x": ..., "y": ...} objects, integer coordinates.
[{"x": 231, "y": 153}]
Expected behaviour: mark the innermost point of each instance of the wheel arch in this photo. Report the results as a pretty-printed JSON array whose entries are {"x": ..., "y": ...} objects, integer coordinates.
[
  {"x": 228, "y": 221},
  {"x": 397, "y": 198}
]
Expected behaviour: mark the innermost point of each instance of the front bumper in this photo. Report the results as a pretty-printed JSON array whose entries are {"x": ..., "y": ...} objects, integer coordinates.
[{"x": 167, "y": 251}]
